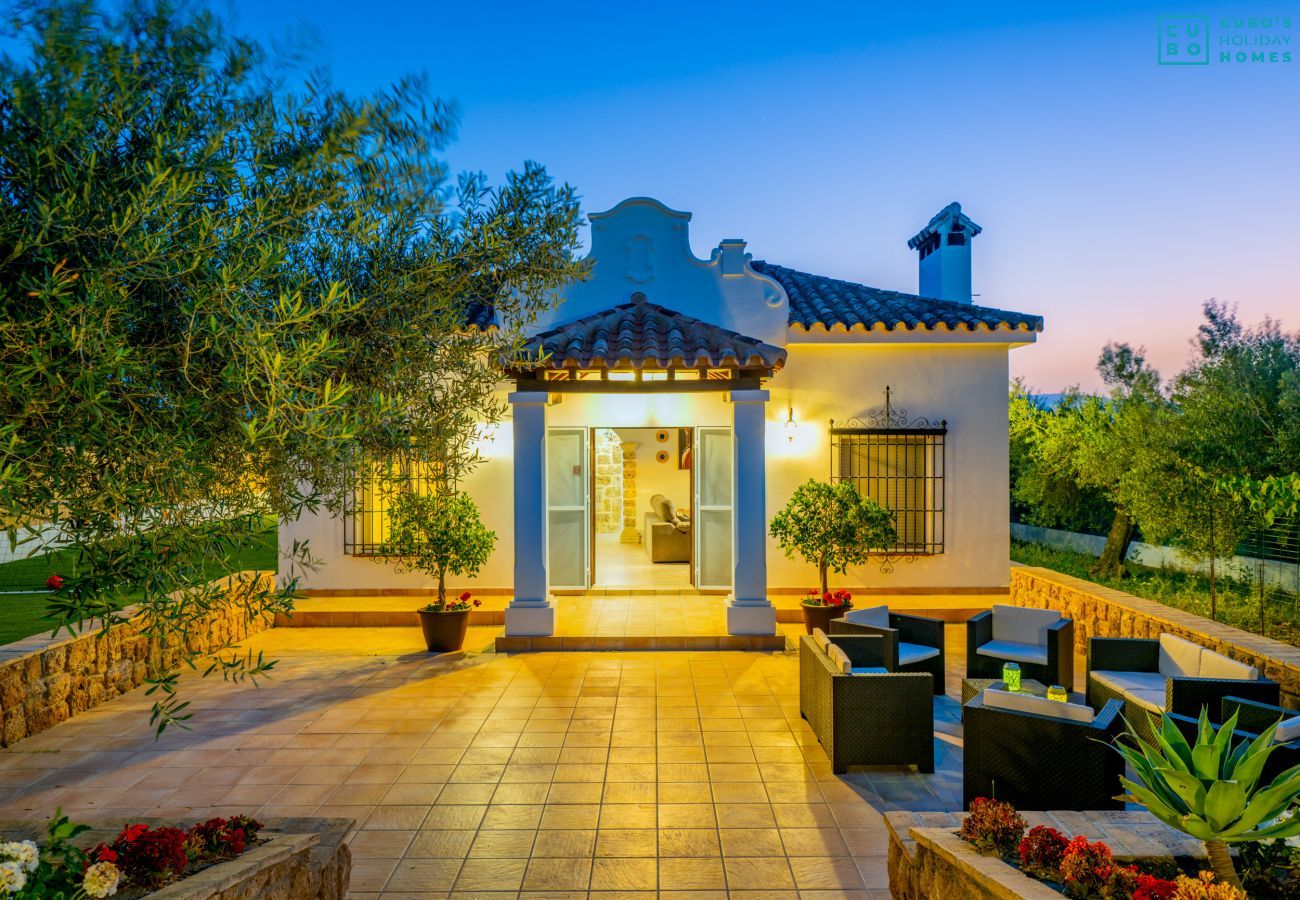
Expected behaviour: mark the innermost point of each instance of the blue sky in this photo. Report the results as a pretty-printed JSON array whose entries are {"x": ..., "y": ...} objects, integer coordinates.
[{"x": 1116, "y": 194}]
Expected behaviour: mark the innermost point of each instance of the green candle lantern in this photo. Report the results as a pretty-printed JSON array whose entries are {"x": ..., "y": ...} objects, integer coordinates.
[
  {"x": 1011, "y": 676},
  {"x": 1057, "y": 693}
]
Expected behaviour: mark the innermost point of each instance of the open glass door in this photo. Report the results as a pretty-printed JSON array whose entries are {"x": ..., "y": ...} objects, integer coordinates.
[
  {"x": 713, "y": 488},
  {"x": 567, "y": 508}
]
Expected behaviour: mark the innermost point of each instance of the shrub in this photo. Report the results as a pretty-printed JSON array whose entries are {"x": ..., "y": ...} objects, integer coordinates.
[
  {"x": 223, "y": 837},
  {"x": 1149, "y": 887},
  {"x": 1204, "y": 887},
  {"x": 1041, "y": 852},
  {"x": 1086, "y": 867},
  {"x": 150, "y": 856},
  {"x": 993, "y": 827}
]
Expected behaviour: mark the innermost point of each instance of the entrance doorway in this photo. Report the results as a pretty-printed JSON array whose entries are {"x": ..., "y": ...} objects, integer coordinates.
[
  {"x": 635, "y": 508},
  {"x": 642, "y": 519}
]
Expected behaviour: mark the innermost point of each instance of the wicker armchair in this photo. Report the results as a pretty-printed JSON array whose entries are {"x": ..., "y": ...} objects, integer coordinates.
[
  {"x": 1252, "y": 718},
  {"x": 1132, "y": 670},
  {"x": 911, "y": 637},
  {"x": 877, "y": 719},
  {"x": 1041, "y": 762},
  {"x": 1055, "y": 656}
]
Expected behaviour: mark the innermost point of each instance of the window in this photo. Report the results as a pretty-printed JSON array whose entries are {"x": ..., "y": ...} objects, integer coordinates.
[
  {"x": 900, "y": 467},
  {"x": 365, "y": 516}
]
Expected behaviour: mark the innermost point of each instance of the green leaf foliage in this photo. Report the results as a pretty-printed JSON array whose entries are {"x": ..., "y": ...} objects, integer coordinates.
[
  {"x": 832, "y": 526},
  {"x": 226, "y": 286},
  {"x": 1211, "y": 788},
  {"x": 437, "y": 534}
]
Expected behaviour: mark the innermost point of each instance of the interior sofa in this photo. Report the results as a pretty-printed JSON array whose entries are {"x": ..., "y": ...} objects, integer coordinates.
[
  {"x": 1040, "y": 641},
  {"x": 912, "y": 643},
  {"x": 1169, "y": 675},
  {"x": 1037, "y": 753},
  {"x": 862, "y": 714},
  {"x": 667, "y": 535}
]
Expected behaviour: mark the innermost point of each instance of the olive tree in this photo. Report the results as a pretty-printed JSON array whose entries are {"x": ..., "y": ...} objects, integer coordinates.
[
  {"x": 226, "y": 285},
  {"x": 832, "y": 526}
]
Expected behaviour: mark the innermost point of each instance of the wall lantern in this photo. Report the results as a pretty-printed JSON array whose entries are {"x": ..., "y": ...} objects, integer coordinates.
[
  {"x": 1011, "y": 676},
  {"x": 791, "y": 426},
  {"x": 1057, "y": 693}
]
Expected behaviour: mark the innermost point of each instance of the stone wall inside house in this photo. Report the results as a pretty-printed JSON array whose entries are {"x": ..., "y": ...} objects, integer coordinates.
[
  {"x": 609, "y": 482},
  {"x": 46, "y": 681},
  {"x": 1099, "y": 611}
]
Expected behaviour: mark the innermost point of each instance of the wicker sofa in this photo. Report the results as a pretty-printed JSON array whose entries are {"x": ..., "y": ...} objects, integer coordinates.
[
  {"x": 1037, "y": 753},
  {"x": 912, "y": 643},
  {"x": 1252, "y": 719},
  {"x": 867, "y": 717},
  {"x": 1040, "y": 641},
  {"x": 1169, "y": 675}
]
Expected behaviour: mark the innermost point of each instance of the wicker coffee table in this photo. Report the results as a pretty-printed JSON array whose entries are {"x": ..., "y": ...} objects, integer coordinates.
[{"x": 973, "y": 687}]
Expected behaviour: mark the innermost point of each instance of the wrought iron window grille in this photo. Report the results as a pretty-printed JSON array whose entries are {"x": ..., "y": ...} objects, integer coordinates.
[{"x": 899, "y": 462}]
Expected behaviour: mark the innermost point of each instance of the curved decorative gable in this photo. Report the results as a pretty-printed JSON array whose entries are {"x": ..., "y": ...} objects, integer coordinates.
[{"x": 641, "y": 246}]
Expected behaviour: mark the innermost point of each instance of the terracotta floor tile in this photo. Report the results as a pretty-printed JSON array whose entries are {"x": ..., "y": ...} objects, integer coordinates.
[
  {"x": 691, "y": 875},
  {"x": 503, "y": 844},
  {"x": 751, "y": 842},
  {"x": 441, "y": 843},
  {"x": 491, "y": 875},
  {"x": 564, "y": 843},
  {"x": 758, "y": 874},
  {"x": 624, "y": 874},
  {"x": 825, "y": 873},
  {"x": 558, "y": 875}
]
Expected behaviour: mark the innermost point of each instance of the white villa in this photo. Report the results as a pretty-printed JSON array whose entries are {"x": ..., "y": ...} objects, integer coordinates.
[{"x": 686, "y": 398}]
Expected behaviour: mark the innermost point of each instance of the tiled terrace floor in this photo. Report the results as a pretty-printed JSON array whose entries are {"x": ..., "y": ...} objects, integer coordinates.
[{"x": 556, "y": 775}]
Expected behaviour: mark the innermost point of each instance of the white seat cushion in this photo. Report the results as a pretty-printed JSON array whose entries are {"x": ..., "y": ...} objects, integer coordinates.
[
  {"x": 909, "y": 654},
  {"x": 1288, "y": 731},
  {"x": 1179, "y": 658},
  {"x": 1021, "y": 625},
  {"x": 840, "y": 659},
  {"x": 868, "y": 670},
  {"x": 1041, "y": 706},
  {"x": 1017, "y": 652},
  {"x": 1216, "y": 665},
  {"x": 821, "y": 640},
  {"x": 1146, "y": 689},
  {"x": 874, "y": 616}
]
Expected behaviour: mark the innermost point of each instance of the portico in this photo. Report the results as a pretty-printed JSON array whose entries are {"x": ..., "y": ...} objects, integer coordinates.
[{"x": 641, "y": 364}]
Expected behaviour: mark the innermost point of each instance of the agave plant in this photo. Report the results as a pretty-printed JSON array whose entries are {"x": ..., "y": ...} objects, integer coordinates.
[{"x": 1211, "y": 790}]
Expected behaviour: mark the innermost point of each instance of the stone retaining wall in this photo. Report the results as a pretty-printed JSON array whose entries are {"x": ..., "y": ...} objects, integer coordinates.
[
  {"x": 44, "y": 682},
  {"x": 1099, "y": 611},
  {"x": 927, "y": 861}
]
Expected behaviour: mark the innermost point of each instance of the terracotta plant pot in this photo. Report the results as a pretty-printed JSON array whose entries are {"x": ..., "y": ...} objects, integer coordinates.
[
  {"x": 820, "y": 616},
  {"x": 444, "y": 631}
]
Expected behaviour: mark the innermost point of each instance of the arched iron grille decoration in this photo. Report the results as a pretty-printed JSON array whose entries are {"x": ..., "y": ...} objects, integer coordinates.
[{"x": 899, "y": 462}]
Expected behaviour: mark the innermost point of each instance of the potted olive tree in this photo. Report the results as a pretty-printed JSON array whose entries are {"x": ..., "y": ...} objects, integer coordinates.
[
  {"x": 438, "y": 534},
  {"x": 832, "y": 526}
]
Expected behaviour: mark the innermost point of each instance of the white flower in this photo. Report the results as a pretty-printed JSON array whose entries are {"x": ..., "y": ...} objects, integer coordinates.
[
  {"x": 101, "y": 880},
  {"x": 25, "y": 853},
  {"x": 12, "y": 876}
]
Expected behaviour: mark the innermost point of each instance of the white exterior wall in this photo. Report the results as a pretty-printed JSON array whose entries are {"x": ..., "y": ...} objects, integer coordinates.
[
  {"x": 963, "y": 383},
  {"x": 966, "y": 384}
]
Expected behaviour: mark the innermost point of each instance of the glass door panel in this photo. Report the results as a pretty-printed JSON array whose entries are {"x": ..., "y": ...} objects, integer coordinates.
[
  {"x": 567, "y": 508},
  {"x": 713, "y": 492}
]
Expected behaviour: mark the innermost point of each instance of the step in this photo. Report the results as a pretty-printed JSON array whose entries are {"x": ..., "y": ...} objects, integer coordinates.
[{"x": 561, "y": 643}]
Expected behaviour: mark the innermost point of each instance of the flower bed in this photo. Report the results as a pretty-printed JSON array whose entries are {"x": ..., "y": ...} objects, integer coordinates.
[
  {"x": 929, "y": 860},
  {"x": 231, "y": 858}
]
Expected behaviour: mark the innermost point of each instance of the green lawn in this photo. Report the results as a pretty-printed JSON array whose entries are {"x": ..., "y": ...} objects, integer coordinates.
[
  {"x": 1238, "y": 601},
  {"x": 22, "y": 614}
]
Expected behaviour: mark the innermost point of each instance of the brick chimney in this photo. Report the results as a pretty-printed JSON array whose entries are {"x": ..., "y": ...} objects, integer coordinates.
[{"x": 944, "y": 250}]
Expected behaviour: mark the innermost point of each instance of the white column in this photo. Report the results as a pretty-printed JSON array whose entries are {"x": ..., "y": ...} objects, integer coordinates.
[
  {"x": 749, "y": 612},
  {"x": 530, "y": 612}
]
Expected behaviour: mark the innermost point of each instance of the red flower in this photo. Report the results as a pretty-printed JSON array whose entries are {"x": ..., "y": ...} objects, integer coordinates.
[
  {"x": 826, "y": 598},
  {"x": 1149, "y": 887},
  {"x": 478, "y": 602},
  {"x": 464, "y": 598},
  {"x": 54, "y": 582},
  {"x": 101, "y": 853},
  {"x": 131, "y": 833}
]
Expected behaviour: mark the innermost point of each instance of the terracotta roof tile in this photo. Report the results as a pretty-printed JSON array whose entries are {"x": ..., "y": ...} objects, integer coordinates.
[
  {"x": 645, "y": 335},
  {"x": 817, "y": 300}
]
